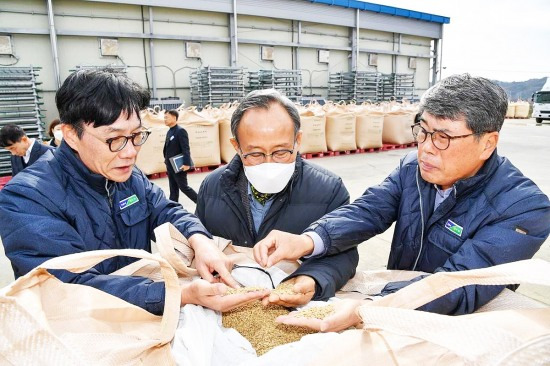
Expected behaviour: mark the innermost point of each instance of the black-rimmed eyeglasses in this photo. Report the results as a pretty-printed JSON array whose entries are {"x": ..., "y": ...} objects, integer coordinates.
[
  {"x": 440, "y": 139},
  {"x": 278, "y": 156},
  {"x": 118, "y": 143}
]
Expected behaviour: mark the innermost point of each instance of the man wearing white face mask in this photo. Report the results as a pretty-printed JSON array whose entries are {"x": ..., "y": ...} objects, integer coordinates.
[{"x": 268, "y": 186}]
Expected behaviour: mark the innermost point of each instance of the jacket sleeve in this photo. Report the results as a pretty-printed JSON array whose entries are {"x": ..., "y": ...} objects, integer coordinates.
[
  {"x": 332, "y": 272},
  {"x": 16, "y": 167},
  {"x": 165, "y": 210},
  {"x": 33, "y": 230},
  {"x": 496, "y": 243},
  {"x": 183, "y": 140},
  {"x": 201, "y": 202},
  {"x": 369, "y": 215}
]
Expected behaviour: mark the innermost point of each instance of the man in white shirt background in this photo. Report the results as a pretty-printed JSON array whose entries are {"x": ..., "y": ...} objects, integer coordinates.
[{"x": 24, "y": 150}]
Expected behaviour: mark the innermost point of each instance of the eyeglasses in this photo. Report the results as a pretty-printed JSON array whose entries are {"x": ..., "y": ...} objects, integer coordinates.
[
  {"x": 278, "y": 156},
  {"x": 118, "y": 143},
  {"x": 440, "y": 139}
]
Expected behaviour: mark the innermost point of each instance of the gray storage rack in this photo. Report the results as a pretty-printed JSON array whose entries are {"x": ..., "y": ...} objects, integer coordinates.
[
  {"x": 216, "y": 85},
  {"x": 361, "y": 86},
  {"x": 19, "y": 105},
  {"x": 287, "y": 82}
]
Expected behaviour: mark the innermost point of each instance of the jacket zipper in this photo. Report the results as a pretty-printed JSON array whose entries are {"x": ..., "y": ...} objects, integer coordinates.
[
  {"x": 422, "y": 221},
  {"x": 109, "y": 196}
]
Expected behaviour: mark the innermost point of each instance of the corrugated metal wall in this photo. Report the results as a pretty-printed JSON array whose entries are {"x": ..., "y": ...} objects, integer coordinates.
[{"x": 79, "y": 24}]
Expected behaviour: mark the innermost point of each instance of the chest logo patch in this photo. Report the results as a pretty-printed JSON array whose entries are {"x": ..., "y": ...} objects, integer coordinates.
[
  {"x": 127, "y": 202},
  {"x": 453, "y": 227}
]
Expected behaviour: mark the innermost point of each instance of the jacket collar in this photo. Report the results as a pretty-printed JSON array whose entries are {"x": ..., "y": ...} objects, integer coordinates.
[
  {"x": 75, "y": 167},
  {"x": 465, "y": 186}
]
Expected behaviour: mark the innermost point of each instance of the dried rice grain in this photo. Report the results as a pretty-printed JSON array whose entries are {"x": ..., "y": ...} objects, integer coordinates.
[
  {"x": 284, "y": 288},
  {"x": 257, "y": 324},
  {"x": 243, "y": 290},
  {"x": 316, "y": 312}
]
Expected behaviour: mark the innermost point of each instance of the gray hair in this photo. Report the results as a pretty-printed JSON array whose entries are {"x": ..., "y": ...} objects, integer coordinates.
[
  {"x": 263, "y": 99},
  {"x": 479, "y": 101}
]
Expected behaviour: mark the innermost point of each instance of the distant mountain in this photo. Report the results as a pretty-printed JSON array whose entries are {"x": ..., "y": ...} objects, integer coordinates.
[{"x": 521, "y": 89}]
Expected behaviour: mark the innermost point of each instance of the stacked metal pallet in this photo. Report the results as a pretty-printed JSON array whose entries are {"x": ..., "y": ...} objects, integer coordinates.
[
  {"x": 166, "y": 103},
  {"x": 253, "y": 81},
  {"x": 118, "y": 68},
  {"x": 386, "y": 89},
  {"x": 216, "y": 85},
  {"x": 404, "y": 87},
  {"x": 356, "y": 85},
  {"x": 341, "y": 86},
  {"x": 366, "y": 86},
  {"x": 19, "y": 105},
  {"x": 396, "y": 87},
  {"x": 288, "y": 82}
]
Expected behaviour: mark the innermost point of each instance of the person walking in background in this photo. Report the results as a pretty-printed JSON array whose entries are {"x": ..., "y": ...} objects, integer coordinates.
[
  {"x": 177, "y": 147},
  {"x": 55, "y": 132},
  {"x": 24, "y": 150}
]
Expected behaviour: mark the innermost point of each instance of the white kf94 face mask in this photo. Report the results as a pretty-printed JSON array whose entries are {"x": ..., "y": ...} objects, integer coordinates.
[
  {"x": 58, "y": 135},
  {"x": 269, "y": 177}
]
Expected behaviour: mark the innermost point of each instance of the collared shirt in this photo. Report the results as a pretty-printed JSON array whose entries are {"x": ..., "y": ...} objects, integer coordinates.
[
  {"x": 27, "y": 155},
  {"x": 258, "y": 210},
  {"x": 441, "y": 195}
]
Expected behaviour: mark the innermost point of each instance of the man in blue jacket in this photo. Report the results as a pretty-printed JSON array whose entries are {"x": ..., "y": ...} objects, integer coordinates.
[
  {"x": 456, "y": 203},
  {"x": 24, "y": 150},
  {"x": 88, "y": 195},
  {"x": 268, "y": 186},
  {"x": 177, "y": 143}
]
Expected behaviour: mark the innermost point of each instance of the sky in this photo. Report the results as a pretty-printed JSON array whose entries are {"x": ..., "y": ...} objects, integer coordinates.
[{"x": 506, "y": 40}]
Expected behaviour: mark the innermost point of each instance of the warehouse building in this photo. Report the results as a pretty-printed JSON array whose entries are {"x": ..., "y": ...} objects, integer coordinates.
[{"x": 160, "y": 43}]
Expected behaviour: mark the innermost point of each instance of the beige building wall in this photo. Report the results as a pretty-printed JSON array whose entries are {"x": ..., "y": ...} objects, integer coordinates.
[{"x": 80, "y": 24}]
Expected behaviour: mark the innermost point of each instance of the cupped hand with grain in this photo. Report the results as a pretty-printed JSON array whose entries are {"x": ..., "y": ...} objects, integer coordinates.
[
  {"x": 217, "y": 296},
  {"x": 294, "y": 292},
  {"x": 335, "y": 317}
]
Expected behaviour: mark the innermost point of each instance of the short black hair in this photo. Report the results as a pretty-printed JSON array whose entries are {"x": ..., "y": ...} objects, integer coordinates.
[
  {"x": 11, "y": 134},
  {"x": 98, "y": 98},
  {"x": 174, "y": 113}
]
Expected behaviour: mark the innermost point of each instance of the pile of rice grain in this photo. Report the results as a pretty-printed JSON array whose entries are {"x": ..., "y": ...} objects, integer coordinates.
[{"x": 257, "y": 323}]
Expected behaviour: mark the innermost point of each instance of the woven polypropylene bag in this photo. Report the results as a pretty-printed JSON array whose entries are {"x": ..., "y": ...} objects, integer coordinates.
[{"x": 48, "y": 322}]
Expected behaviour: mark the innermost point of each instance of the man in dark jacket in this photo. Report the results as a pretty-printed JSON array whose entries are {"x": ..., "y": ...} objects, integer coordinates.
[
  {"x": 24, "y": 150},
  {"x": 268, "y": 186},
  {"x": 88, "y": 195},
  {"x": 456, "y": 203},
  {"x": 177, "y": 145}
]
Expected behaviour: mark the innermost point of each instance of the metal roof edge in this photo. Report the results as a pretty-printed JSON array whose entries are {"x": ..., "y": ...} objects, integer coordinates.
[{"x": 385, "y": 9}]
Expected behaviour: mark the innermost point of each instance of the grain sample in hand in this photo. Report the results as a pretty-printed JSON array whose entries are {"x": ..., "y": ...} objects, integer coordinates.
[{"x": 316, "y": 312}]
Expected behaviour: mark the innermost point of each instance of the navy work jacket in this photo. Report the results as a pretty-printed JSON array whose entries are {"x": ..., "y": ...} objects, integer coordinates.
[
  {"x": 57, "y": 207},
  {"x": 497, "y": 216}
]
